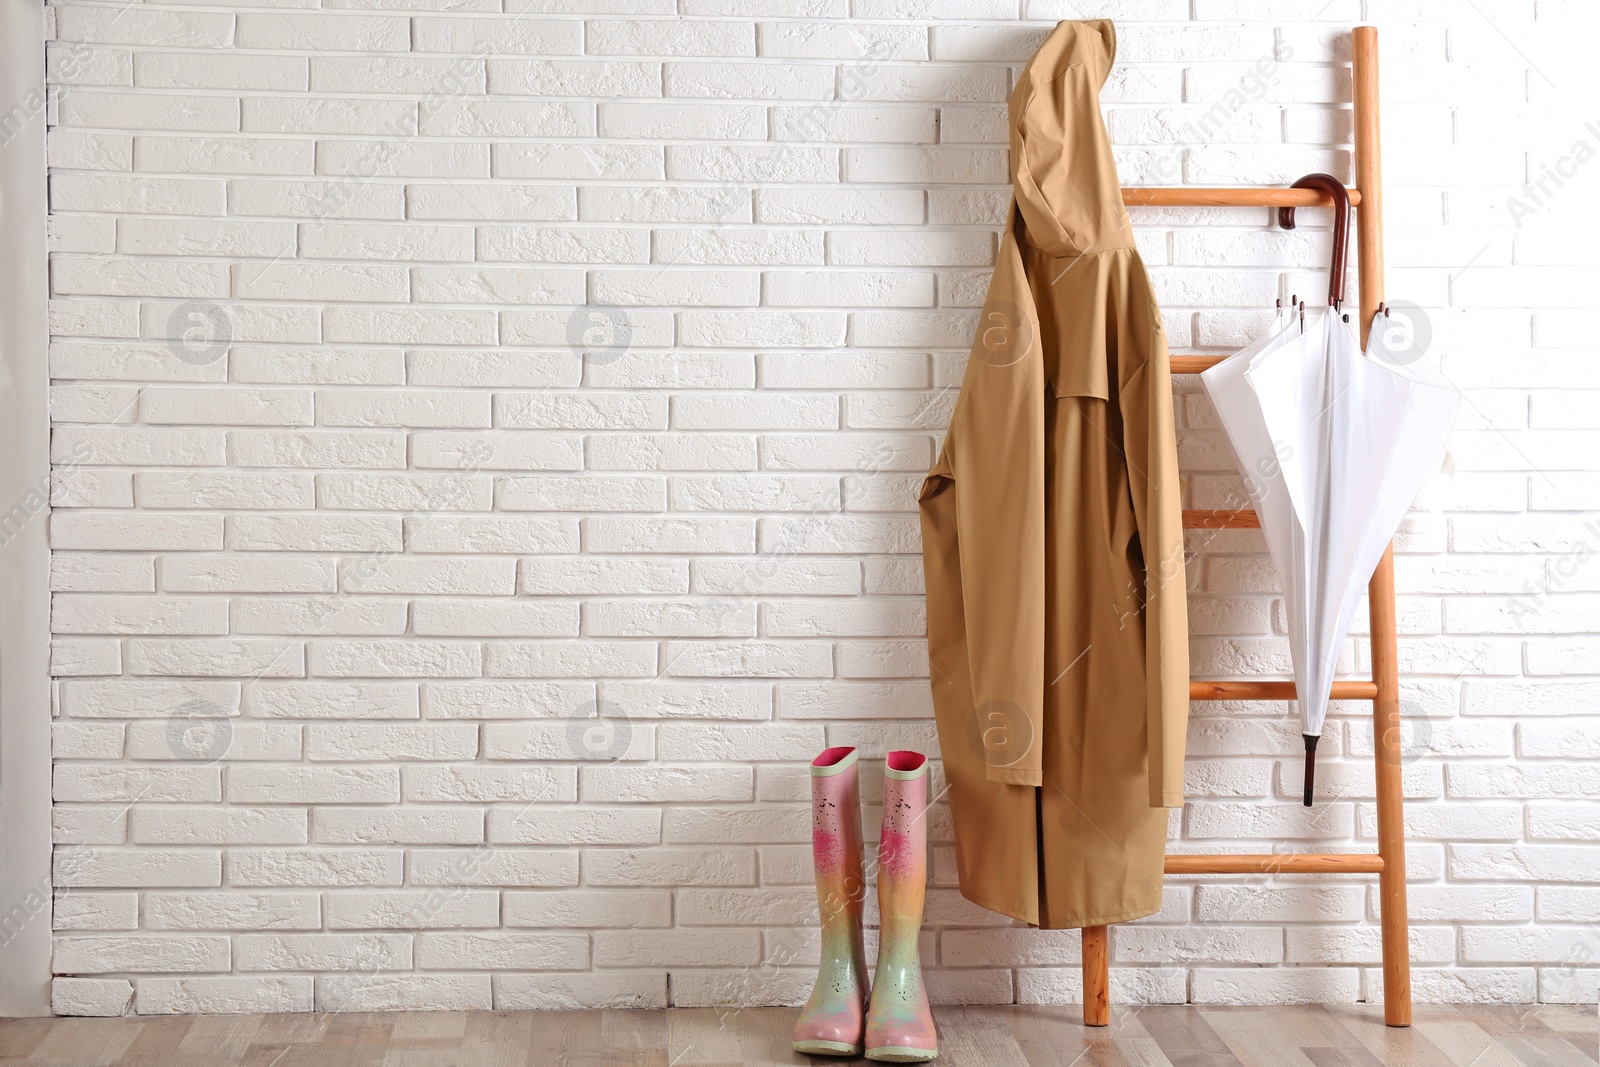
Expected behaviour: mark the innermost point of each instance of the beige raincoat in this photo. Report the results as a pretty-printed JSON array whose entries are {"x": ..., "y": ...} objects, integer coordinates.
[{"x": 1052, "y": 537}]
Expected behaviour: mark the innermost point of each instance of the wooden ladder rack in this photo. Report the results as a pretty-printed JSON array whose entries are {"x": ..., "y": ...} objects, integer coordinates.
[{"x": 1389, "y": 862}]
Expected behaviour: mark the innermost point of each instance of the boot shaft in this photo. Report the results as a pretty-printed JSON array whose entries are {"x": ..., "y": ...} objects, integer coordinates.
[
  {"x": 836, "y": 838},
  {"x": 903, "y": 843}
]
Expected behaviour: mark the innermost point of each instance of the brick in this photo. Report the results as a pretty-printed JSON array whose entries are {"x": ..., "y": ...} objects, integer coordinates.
[
  {"x": 610, "y": 738},
  {"x": 410, "y": 825},
  {"x": 382, "y": 742},
  {"x": 668, "y": 700},
  {"x": 158, "y": 489},
  {"x": 432, "y": 576},
  {"x": 232, "y": 911},
  {"x": 197, "y": 70},
  {"x": 333, "y": 700},
  {"x": 128, "y": 868},
  {"x": 638, "y": 948},
  {"x": 313, "y": 785},
  {"x": 288, "y": 365},
  {"x": 356, "y": 992},
  {"x": 316, "y": 533},
  {"x": 166, "y": 825},
  {"x": 85, "y": 825},
  {"x": 135, "y": 532},
  {"x": 257, "y": 658},
  {"x": 95, "y": 911},
  {"x": 685, "y": 121},
  {"x": 506, "y": 700},
  {"x": 110, "y": 782},
  {"x": 90, "y": 996},
  {"x": 407, "y": 909},
  {"x": 519, "y": 824},
  {"x": 612, "y": 989},
  {"x": 404, "y": 492},
  {"x": 366, "y": 953},
  {"x": 670, "y": 868},
  {"x": 476, "y": 783},
  {"x": 315, "y": 867},
  {"x": 318, "y": 615},
  {"x": 665, "y": 784},
  {"x": 147, "y": 615},
  {"x": 224, "y": 996},
  {"x": 502, "y": 952},
  {"x": 494, "y": 867},
  {"x": 86, "y": 740},
  {"x": 458, "y": 33},
  {"x": 126, "y": 698},
  {"x": 224, "y": 574}
]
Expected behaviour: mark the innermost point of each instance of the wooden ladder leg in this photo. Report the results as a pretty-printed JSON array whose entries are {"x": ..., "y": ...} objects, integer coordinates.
[
  {"x": 1096, "y": 976},
  {"x": 1391, "y": 799},
  {"x": 1380, "y": 593}
]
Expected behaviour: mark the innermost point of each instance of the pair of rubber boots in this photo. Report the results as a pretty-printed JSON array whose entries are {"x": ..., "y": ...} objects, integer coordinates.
[{"x": 894, "y": 1024}]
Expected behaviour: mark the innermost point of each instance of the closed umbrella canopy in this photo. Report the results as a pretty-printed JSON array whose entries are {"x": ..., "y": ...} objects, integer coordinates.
[{"x": 1334, "y": 446}]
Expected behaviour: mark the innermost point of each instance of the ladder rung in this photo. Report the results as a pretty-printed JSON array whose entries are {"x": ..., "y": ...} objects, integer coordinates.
[
  {"x": 1229, "y": 196},
  {"x": 1194, "y": 364},
  {"x": 1275, "y": 690},
  {"x": 1220, "y": 520},
  {"x": 1300, "y": 863}
]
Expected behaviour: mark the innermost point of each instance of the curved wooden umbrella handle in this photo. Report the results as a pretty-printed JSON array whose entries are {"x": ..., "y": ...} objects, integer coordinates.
[{"x": 1341, "y": 227}]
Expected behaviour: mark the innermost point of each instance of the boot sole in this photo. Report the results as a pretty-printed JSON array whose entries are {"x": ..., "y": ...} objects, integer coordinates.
[
  {"x": 827, "y": 1048},
  {"x": 890, "y": 1054}
]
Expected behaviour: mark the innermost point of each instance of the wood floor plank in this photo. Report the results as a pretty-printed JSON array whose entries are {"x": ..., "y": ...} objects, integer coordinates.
[
  {"x": 1259, "y": 1037},
  {"x": 1049, "y": 1035},
  {"x": 1185, "y": 1037},
  {"x": 1324, "y": 1038},
  {"x": 1350, "y": 1035},
  {"x": 1569, "y": 1018},
  {"x": 557, "y": 1035},
  {"x": 160, "y": 1039},
  {"x": 1546, "y": 1051},
  {"x": 20, "y": 1037},
  {"x": 1466, "y": 1043},
  {"x": 88, "y": 1042},
  {"x": 497, "y": 1038},
  {"x": 984, "y": 1035},
  {"x": 1394, "y": 1046}
]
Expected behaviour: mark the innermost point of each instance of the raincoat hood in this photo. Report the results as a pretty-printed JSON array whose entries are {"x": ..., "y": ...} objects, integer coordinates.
[{"x": 1063, "y": 175}]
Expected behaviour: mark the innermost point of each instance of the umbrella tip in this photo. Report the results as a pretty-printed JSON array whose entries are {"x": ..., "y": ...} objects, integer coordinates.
[{"x": 1311, "y": 764}]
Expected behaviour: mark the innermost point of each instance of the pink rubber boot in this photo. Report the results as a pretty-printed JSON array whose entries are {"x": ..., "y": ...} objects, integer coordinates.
[
  {"x": 899, "y": 1024},
  {"x": 832, "y": 1023}
]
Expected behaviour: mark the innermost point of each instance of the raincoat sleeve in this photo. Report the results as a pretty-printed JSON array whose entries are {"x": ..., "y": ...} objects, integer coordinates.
[
  {"x": 1150, "y": 444},
  {"x": 993, "y": 462}
]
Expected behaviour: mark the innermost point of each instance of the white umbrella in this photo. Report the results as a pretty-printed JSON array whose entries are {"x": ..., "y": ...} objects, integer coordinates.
[{"x": 1334, "y": 446}]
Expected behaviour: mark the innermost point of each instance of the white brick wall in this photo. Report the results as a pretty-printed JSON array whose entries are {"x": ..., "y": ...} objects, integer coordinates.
[{"x": 430, "y": 376}]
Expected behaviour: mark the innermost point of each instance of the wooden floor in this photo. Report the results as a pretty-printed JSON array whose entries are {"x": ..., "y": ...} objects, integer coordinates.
[{"x": 1301, "y": 1036}]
